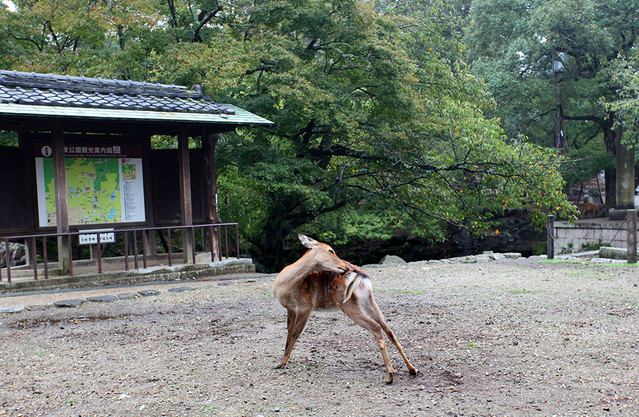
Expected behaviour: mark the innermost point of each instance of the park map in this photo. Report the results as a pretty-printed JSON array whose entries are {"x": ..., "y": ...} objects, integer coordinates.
[{"x": 93, "y": 190}]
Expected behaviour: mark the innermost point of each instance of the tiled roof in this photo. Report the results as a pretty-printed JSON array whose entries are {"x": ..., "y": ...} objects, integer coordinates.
[{"x": 96, "y": 93}]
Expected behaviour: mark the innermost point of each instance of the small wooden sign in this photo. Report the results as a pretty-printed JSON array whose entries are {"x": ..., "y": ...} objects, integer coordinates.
[{"x": 106, "y": 236}]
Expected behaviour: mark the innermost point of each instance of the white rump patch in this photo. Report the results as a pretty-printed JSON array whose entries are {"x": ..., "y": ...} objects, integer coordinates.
[{"x": 353, "y": 283}]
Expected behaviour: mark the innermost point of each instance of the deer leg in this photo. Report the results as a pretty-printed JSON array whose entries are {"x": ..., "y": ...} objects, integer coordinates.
[
  {"x": 296, "y": 322},
  {"x": 353, "y": 310},
  {"x": 375, "y": 312},
  {"x": 290, "y": 320}
]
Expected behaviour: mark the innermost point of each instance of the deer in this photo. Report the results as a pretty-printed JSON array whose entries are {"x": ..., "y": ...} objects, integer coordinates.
[
  {"x": 589, "y": 210},
  {"x": 321, "y": 281}
]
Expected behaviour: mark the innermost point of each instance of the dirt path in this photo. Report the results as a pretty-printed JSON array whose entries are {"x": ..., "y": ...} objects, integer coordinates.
[{"x": 506, "y": 338}]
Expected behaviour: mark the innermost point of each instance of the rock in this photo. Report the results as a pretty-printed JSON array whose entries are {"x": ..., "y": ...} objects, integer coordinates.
[
  {"x": 485, "y": 258},
  {"x": 180, "y": 289},
  {"x": 512, "y": 255},
  {"x": 11, "y": 309},
  {"x": 613, "y": 253},
  {"x": 17, "y": 254},
  {"x": 600, "y": 261},
  {"x": 498, "y": 256},
  {"x": 147, "y": 293},
  {"x": 68, "y": 303},
  {"x": 103, "y": 299},
  {"x": 392, "y": 260},
  {"x": 128, "y": 296}
]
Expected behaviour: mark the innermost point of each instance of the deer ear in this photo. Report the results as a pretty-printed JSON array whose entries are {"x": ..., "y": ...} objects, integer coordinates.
[{"x": 307, "y": 241}]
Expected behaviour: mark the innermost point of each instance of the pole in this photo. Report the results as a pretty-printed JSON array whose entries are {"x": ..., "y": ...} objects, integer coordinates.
[
  {"x": 550, "y": 237},
  {"x": 631, "y": 216}
]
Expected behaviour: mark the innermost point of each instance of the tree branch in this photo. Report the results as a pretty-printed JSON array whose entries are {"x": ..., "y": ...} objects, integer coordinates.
[{"x": 207, "y": 19}]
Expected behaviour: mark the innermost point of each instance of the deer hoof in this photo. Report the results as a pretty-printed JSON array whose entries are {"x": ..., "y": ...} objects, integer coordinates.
[
  {"x": 413, "y": 371},
  {"x": 389, "y": 379}
]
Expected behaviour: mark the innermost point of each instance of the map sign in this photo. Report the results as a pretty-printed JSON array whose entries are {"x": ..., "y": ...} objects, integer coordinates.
[{"x": 99, "y": 190}]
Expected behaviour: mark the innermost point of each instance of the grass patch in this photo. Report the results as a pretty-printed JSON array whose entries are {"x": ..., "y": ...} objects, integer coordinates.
[
  {"x": 563, "y": 261},
  {"x": 409, "y": 291},
  {"x": 585, "y": 262},
  {"x": 524, "y": 291}
]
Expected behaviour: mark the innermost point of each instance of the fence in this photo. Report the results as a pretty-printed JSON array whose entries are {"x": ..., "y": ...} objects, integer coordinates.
[{"x": 215, "y": 232}]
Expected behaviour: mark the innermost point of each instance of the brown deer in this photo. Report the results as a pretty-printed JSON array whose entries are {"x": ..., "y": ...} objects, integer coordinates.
[
  {"x": 320, "y": 280},
  {"x": 590, "y": 210}
]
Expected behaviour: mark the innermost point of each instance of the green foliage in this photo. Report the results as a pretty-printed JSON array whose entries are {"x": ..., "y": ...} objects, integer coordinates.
[
  {"x": 626, "y": 104},
  {"x": 379, "y": 124},
  {"x": 538, "y": 55},
  {"x": 8, "y": 138},
  {"x": 586, "y": 162}
]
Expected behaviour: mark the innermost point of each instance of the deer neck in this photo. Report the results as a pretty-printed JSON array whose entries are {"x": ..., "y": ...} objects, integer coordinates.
[{"x": 295, "y": 273}]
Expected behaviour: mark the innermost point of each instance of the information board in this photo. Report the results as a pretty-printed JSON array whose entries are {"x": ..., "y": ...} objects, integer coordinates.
[{"x": 104, "y": 185}]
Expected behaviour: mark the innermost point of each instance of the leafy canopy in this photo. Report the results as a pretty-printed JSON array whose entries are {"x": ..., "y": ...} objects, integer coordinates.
[
  {"x": 538, "y": 55},
  {"x": 379, "y": 124}
]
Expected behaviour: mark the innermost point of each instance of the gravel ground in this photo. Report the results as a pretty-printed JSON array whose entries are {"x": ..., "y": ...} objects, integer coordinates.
[{"x": 504, "y": 338}]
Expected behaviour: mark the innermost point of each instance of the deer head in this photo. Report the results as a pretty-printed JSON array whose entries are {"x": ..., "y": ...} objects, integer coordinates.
[{"x": 321, "y": 256}]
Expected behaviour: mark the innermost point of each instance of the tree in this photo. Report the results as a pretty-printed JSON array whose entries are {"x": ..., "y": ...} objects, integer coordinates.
[
  {"x": 359, "y": 123},
  {"x": 549, "y": 65}
]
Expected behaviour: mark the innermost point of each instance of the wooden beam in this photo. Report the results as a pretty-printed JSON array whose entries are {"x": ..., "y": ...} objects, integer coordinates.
[
  {"x": 209, "y": 142},
  {"x": 61, "y": 201},
  {"x": 151, "y": 241},
  {"x": 31, "y": 197},
  {"x": 186, "y": 205}
]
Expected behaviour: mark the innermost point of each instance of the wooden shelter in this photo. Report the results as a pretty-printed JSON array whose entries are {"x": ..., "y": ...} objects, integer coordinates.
[{"x": 82, "y": 157}]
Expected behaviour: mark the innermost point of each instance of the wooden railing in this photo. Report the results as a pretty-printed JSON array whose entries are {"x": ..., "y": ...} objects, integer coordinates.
[{"x": 210, "y": 233}]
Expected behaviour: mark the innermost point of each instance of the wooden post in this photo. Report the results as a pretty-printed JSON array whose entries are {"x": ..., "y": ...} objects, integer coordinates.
[
  {"x": 61, "y": 202},
  {"x": 151, "y": 242},
  {"x": 31, "y": 200},
  {"x": 186, "y": 207},
  {"x": 550, "y": 237},
  {"x": 209, "y": 142},
  {"x": 631, "y": 235}
]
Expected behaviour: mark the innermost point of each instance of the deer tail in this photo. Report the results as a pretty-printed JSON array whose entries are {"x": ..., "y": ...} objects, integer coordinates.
[{"x": 353, "y": 278}]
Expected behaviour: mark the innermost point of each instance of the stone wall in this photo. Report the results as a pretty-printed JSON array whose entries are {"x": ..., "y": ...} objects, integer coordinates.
[{"x": 579, "y": 237}]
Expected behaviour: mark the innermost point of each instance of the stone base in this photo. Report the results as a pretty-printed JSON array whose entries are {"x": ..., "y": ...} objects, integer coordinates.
[
  {"x": 614, "y": 253},
  {"x": 617, "y": 214},
  {"x": 211, "y": 270}
]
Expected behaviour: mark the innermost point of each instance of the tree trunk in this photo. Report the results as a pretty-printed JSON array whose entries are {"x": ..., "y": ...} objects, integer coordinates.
[
  {"x": 625, "y": 158},
  {"x": 611, "y": 188},
  {"x": 611, "y": 174}
]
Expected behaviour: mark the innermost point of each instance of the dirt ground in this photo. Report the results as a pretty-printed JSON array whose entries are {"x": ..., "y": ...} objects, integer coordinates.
[{"x": 505, "y": 338}]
